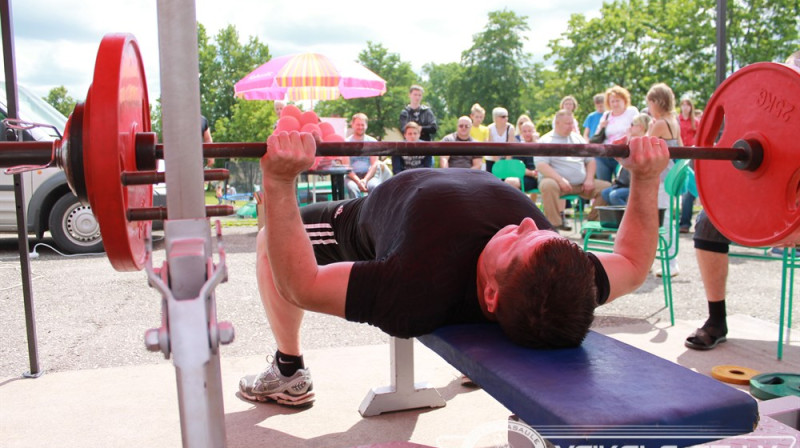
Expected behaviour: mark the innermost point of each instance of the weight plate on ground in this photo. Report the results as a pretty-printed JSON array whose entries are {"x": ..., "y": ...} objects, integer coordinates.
[
  {"x": 116, "y": 109},
  {"x": 761, "y": 207},
  {"x": 775, "y": 385},
  {"x": 733, "y": 374}
]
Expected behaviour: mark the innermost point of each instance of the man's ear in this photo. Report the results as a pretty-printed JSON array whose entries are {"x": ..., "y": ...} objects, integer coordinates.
[{"x": 490, "y": 297}]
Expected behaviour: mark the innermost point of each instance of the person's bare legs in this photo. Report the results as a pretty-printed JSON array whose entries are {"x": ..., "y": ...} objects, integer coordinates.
[
  {"x": 286, "y": 380},
  {"x": 713, "y": 268},
  {"x": 714, "y": 272},
  {"x": 284, "y": 317}
]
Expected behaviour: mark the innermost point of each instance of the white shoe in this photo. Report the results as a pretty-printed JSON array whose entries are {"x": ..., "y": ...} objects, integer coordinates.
[{"x": 673, "y": 269}]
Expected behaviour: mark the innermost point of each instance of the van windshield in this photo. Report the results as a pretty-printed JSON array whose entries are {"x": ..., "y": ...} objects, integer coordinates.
[{"x": 35, "y": 110}]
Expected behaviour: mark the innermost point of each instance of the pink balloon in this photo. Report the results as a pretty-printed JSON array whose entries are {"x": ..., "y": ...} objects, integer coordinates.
[
  {"x": 312, "y": 128},
  {"x": 309, "y": 117},
  {"x": 287, "y": 123},
  {"x": 326, "y": 128},
  {"x": 332, "y": 138},
  {"x": 292, "y": 111}
]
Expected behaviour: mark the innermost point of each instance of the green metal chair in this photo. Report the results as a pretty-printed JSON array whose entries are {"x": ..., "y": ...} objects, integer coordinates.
[
  {"x": 789, "y": 261},
  {"x": 675, "y": 185},
  {"x": 505, "y": 168}
]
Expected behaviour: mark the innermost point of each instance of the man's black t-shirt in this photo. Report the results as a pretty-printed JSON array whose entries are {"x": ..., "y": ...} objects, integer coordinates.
[{"x": 416, "y": 240}]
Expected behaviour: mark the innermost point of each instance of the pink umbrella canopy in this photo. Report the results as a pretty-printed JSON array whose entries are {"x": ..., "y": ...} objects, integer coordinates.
[{"x": 309, "y": 76}]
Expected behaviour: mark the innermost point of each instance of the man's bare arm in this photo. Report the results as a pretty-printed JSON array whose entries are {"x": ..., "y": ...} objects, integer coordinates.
[
  {"x": 637, "y": 238},
  {"x": 296, "y": 274}
]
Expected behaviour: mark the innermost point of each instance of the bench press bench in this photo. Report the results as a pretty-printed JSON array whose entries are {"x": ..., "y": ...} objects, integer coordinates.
[{"x": 605, "y": 392}]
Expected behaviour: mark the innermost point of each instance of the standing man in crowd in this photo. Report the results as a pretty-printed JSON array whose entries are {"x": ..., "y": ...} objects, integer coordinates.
[
  {"x": 416, "y": 112},
  {"x": 566, "y": 175},
  {"x": 462, "y": 134}
]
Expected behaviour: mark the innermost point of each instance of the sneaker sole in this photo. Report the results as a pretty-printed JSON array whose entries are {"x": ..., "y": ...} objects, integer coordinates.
[{"x": 281, "y": 398}]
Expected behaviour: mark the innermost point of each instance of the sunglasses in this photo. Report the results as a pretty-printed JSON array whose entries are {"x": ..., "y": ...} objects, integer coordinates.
[
  {"x": 502, "y": 116},
  {"x": 463, "y": 126}
]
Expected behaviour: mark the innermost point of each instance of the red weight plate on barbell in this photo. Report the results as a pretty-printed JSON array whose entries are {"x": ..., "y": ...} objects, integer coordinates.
[
  {"x": 761, "y": 207},
  {"x": 116, "y": 109}
]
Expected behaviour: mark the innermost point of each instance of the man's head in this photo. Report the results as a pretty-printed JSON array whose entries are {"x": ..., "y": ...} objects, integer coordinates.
[
  {"x": 477, "y": 113},
  {"x": 539, "y": 286},
  {"x": 359, "y": 124},
  {"x": 279, "y": 105},
  {"x": 415, "y": 96},
  {"x": 599, "y": 102},
  {"x": 412, "y": 131},
  {"x": 464, "y": 126},
  {"x": 563, "y": 123}
]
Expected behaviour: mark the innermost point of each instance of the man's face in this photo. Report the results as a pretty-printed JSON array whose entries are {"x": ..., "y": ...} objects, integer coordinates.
[
  {"x": 600, "y": 106},
  {"x": 412, "y": 134},
  {"x": 513, "y": 242},
  {"x": 563, "y": 125},
  {"x": 464, "y": 127},
  {"x": 359, "y": 127},
  {"x": 415, "y": 97},
  {"x": 279, "y": 108}
]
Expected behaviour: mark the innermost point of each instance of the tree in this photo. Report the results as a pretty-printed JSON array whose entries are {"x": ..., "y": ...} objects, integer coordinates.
[
  {"x": 60, "y": 99},
  {"x": 222, "y": 64},
  {"x": 636, "y": 43},
  {"x": 495, "y": 68},
  {"x": 440, "y": 94},
  {"x": 383, "y": 111}
]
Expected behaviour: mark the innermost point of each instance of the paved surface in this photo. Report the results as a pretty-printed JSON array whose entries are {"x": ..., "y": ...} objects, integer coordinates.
[{"x": 101, "y": 384}]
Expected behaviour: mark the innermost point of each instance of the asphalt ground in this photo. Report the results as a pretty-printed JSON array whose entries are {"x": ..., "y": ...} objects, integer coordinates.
[{"x": 90, "y": 316}]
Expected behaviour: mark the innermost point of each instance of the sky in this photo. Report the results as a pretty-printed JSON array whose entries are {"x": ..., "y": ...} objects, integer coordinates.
[{"x": 56, "y": 41}]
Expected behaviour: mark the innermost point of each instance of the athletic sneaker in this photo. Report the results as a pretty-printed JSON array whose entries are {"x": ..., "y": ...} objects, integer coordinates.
[{"x": 272, "y": 385}]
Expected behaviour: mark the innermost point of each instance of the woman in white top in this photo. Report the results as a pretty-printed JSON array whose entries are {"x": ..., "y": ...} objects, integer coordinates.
[
  {"x": 616, "y": 122},
  {"x": 499, "y": 131}
]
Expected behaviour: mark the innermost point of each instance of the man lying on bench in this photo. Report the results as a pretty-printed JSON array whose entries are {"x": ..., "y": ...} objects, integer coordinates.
[{"x": 430, "y": 248}]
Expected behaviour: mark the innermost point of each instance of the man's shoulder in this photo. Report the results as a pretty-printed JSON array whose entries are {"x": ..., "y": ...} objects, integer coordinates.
[{"x": 547, "y": 138}]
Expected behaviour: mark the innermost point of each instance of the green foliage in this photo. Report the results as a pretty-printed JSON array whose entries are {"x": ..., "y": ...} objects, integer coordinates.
[
  {"x": 495, "y": 68},
  {"x": 636, "y": 43},
  {"x": 222, "y": 64},
  {"x": 383, "y": 111},
  {"x": 60, "y": 99},
  {"x": 250, "y": 121}
]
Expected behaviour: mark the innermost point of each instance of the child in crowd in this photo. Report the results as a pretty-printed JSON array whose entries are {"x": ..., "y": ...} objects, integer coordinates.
[{"x": 617, "y": 194}]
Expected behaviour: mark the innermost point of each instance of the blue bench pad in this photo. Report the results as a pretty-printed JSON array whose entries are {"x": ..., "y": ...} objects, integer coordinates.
[{"x": 604, "y": 386}]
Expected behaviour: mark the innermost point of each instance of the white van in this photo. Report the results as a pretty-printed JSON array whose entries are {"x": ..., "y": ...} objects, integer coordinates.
[{"x": 50, "y": 204}]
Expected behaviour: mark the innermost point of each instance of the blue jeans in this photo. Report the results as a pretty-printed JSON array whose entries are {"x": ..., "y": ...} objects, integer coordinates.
[
  {"x": 606, "y": 166},
  {"x": 687, "y": 203},
  {"x": 616, "y": 195}
]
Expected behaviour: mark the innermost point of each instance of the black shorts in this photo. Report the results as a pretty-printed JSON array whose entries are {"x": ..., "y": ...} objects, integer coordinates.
[
  {"x": 707, "y": 237},
  {"x": 332, "y": 227}
]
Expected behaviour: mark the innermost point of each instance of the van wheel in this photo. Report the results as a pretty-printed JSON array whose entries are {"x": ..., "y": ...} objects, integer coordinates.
[{"x": 73, "y": 226}]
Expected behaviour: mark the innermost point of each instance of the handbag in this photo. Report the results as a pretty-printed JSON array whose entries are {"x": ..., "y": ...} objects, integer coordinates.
[{"x": 600, "y": 136}]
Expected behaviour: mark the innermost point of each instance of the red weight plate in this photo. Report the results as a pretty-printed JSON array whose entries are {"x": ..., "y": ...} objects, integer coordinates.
[
  {"x": 116, "y": 109},
  {"x": 761, "y": 207}
]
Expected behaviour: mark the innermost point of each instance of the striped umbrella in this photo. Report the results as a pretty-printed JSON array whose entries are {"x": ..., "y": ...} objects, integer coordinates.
[{"x": 309, "y": 76}]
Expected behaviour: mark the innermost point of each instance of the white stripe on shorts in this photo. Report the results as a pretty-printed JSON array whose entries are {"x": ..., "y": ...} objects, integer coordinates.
[{"x": 322, "y": 235}]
